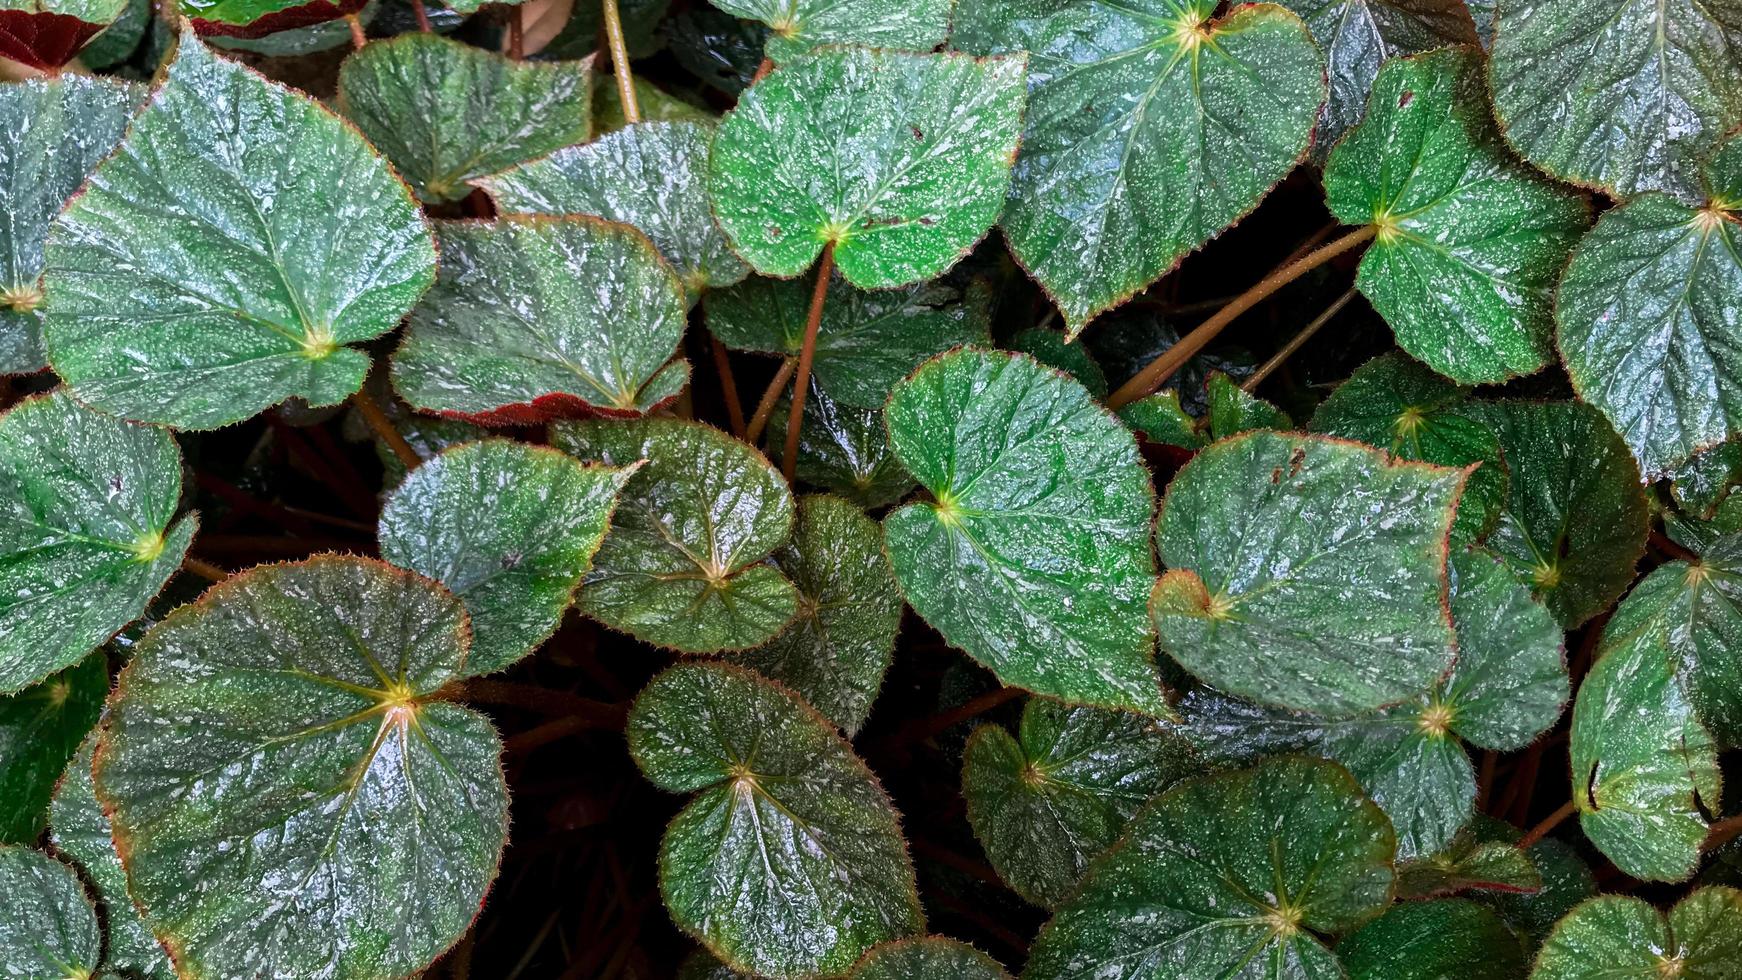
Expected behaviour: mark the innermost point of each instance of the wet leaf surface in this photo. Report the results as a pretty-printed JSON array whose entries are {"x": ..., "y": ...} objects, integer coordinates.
[
  {"x": 926, "y": 958},
  {"x": 798, "y": 26},
  {"x": 1617, "y": 936},
  {"x": 47, "y": 925},
  {"x": 842, "y": 449},
  {"x": 40, "y": 729},
  {"x": 1451, "y": 939}
]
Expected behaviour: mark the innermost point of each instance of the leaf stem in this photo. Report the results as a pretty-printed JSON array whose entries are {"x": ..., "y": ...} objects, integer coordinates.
[
  {"x": 538, "y": 700},
  {"x": 728, "y": 387},
  {"x": 620, "y": 62},
  {"x": 770, "y": 397},
  {"x": 1296, "y": 342},
  {"x": 422, "y": 16},
  {"x": 1722, "y": 832},
  {"x": 205, "y": 570},
  {"x": 801, "y": 383},
  {"x": 560, "y": 728},
  {"x": 1156, "y": 372},
  {"x": 1676, "y": 552},
  {"x": 358, "y": 38},
  {"x": 1548, "y": 823},
  {"x": 382, "y": 426},
  {"x": 921, "y": 729},
  {"x": 517, "y": 32}
]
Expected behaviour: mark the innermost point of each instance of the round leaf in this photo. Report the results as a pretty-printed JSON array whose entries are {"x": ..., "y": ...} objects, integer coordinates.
[
  {"x": 222, "y": 259},
  {"x": 48, "y": 928},
  {"x": 509, "y": 529},
  {"x": 798, "y": 26},
  {"x": 1445, "y": 940},
  {"x": 1032, "y": 557},
  {"x": 789, "y": 861},
  {"x": 40, "y": 729},
  {"x": 505, "y": 336},
  {"x": 1151, "y": 128},
  {"x": 900, "y": 162},
  {"x": 1616, "y": 937},
  {"x": 683, "y": 564},
  {"x": 1307, "y": 573},
  {"x": 1224, "y": 872},
  {"x": 87, "y": 534},
  {"x": 327, "y": 816},
  {"x": 927, "y": 958}
]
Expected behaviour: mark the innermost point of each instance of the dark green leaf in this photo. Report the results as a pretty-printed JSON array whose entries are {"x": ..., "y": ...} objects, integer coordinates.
[
  {"x": 798, "y": 26},
  {"x": 789, "y": 861},
  {"x": 1232, "y": 411},
  {"x": 899, "y": 162},
  {"x": 1160, "y": 418},
  {"x": 845, "y": 450},
  {"x": 1510, "y": 682},
  {"x": 117, "y": 42},
  {"x": 580, "y": 36},
  {"x": 220, "y": 262},
  {"x": 1617, "y": 937},
  {"x": 1705, "y": 482},
  {"x": 1566, "y": 881},
  {"x": 927, "y": 958},
  {"x": 1032, "y": 556},
  {"x": 1483, "y": 858},
  {"x": 40, "y": 729},
  {"x": 1451, "y": 939},
  {"x": 655, "y": 103},
  {"x": 48, "y": 929},
  {"x": 1051, "y": 348},
  {"x": 717, "y": 48}
]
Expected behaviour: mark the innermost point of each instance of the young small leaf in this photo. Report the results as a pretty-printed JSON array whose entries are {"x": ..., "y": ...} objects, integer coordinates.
[
  {"x": 228, "y": 252},
  {"x": 1566, "y": 881},
  {"x": 1032, "y": 558},
  {"x": 843, "y": 449},
  {"x": 1227, "y": 871},
  {"x": 506, "y": 337},
  {"x": 1162, "y": 419},
  {"x": 798, "y": 26},
  {"x": 1232, "y": 411},
  {"x": 1470, "y": 241},
  {"x": 683, "y": 564},
  {"x": 1151, "y": 129},
  {"x": 834, "y": 654},
  {"x": 52, "y": 133},
  {"x": 789, "y": 861},
  {"x": 510, "y": 529},
  {"x": 1483, "y": 858},
  {"x": 40, "y": 729},
  {"x": 1046, "y": 805},
  {"x": 88, "y": 533},
  {"x": 48, "y": 928},
  {"x": 447, "y": 113},
  {"x": 927, "y": 958},
  {"x": 1307, "y": 573},
  {"x": 346, "y": 823},
  {"x": 899, "y": 162},
  {"x": 1617, "y": 937},
  {"x": 1450, "y": 939}
]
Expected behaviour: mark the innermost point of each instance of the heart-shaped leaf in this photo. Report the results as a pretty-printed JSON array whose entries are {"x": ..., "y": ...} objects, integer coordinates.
[
  {"x": 348, "y": 823},
  {"x": 1622, "y": 937},
  {"x": 1482, "y": 858},
  {"x": 682, "y": 566},
  {"x": 1225, "y": 872},
  {"x": 52, "y": 133},
  {"x": 48, "y": 928},
  {"x": 834, "y": 654},
  {"x": 1032, "y": 555},
  {"x": 866, "y": 341},
  {"x": 1307, "y": 573},
  {"x": 1151, "y": 128},
  {"x": 1046, "y": 805},
  {"x": 1575, "y": 517},
  {"x": 1451, "y": 939},
  {"x": 40, "y": 729},
  {"x": 845, "y": 450},
  {"x": 81, "y": 835},
  {"x": 651, "y": 175},
  {"x": 1648, "y": 327},
  {"x": 46, "y": 34},
  {"x": 1361, "y": 35},
  {"x": 1621, "y": 95},
  {"x": 505, "y": 336},
  {"x": 789, "y": 861},
  {"x": 87, "y": 535},
  {"x": 222, "y": 259},
  {"x": 1402, "y": 407},
  {"x": 446, "y": 113},
  {"x": 898, "y": 162},
  {"x": 927, "y": 958},
  {"x": 798, "y": 26},
  {"x": 507, "y": 527},
  {"x": 1470, "y": 241}
]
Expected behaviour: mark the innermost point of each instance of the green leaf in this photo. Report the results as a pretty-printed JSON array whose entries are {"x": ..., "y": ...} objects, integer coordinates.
[
  {"x": 447, "y": 113},
  {"x": 1232, "y": 411},
  {"x": 721, "y": 50},
  {"x": 866, "y": 341},
  {"x": 1045, "y": 806},
  {"x": 346, "y": 822},
  {"x": 1161, "y": 419},
  {"x": 849, "y": 609},
  {"x": 682, "y": 566},
  {"x": 1051, "y": 348},
  {"x": 843, "y": 449},
  {"x": 1706, "y": 481},
  {"x": 1575, "y": 517},
  {"x": 1647, "y": 317},
  {"x": 40, "y": 729},
  {"x": 1402, "y": 407},
  {"x": 927, "y": 958},
  {"x": 1483, "y": 857},
  {"x": 1151, "y": 129},
  {"x": 505, "y": 337},
  {"x": 651, "y": 175},
  {"x": 510, "y": 529},
  {"x": 1359, "y": 36},
  {"x": 54, "y": 132},
  {"x": 1470, "y": 240},
  {"x": 82, "y": 836},
  {"x": 88, "y": 535},
  {"x": 1620, "y": 95},
  {"x": 1227, "y": 875},
  {"x": 1510, "y": 680},
  {"x": 798, "y": 26},
  {"x": 1566, "y": 881},
  {"x": 1032, "y": 557},
  {"x": 254, "y": 19},
  {"x": 1644, "y": 770},
  {"x": 789, "y": 861},
  {"x": 222, "y": 259},
  {"x": 1307, "y": 573},
  {"x": 1450, "y": 939},
  {"x": 655, "y": 103},
  {"x": 48, "y": 928},
  {"x": 899, "y": 162},
  {"x": 117, "y": 42},
  {"x": 1620, "y": 937}
]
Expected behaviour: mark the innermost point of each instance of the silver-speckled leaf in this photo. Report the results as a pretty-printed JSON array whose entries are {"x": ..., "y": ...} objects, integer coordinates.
[{"x": 48, "y": 929}]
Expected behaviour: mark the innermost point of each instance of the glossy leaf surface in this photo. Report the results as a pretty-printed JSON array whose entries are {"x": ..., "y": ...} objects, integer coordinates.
[
  {"x": 1566, "y": 881},
  {"x": 1620, "y": 937},
  {"x": 1449, "y": 939},
  {"x": 40, "y": 729},
  {"x": 843, "y": 449},
  {"x": 1482, "y": 859},
  {"x": 925, "y": 959},
  {"x": 48, "y": 928},
  {"x": 798, "y": 26},
  {"x": 1032, "y": 557}
]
